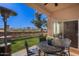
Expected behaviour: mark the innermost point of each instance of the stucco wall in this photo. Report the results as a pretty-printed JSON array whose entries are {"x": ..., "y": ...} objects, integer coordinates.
[
  {"x": 71, "y": 13},
  {"x": 67, "y": 14},
  {"x": 50, "y": 26}
]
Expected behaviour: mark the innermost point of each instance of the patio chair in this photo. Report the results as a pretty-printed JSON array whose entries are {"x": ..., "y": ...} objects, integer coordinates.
[
  {"x": 66, "y": 44},
  {"x": 29, "y": 53}
]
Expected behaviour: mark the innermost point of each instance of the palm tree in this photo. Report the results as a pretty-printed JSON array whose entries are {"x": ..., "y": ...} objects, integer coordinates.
[{"x": 39, "y": 22}]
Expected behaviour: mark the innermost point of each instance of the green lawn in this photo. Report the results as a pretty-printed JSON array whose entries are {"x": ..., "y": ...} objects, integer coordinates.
[{"x": 19, "y": 44}]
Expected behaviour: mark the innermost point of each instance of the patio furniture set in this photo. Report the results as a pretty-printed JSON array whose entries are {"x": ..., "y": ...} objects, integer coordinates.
[{"x": 56, "y": 46}]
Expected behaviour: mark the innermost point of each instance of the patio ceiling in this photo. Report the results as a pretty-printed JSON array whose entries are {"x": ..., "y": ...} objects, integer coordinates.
[{"x": 50, "y": 8}]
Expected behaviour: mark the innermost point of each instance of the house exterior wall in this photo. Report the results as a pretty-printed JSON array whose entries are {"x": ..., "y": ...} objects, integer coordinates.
[{"x": 68, "y": 14}]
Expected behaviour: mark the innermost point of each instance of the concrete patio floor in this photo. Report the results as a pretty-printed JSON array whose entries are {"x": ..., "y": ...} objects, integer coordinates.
[
  {"x": 73, "y": 52},
  {"x": 24, "y": 53}
]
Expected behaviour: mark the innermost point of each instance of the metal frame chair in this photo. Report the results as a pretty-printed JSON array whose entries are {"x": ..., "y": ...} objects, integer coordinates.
[
  {"x": 67, "y": 43},
  {"x": 29, "y": 53}
]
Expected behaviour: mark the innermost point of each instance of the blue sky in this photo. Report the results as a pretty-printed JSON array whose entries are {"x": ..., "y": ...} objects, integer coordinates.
[{"x": 24, "y": 17}]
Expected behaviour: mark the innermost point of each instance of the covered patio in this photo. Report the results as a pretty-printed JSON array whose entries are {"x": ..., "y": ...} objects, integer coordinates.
[
  {"x": 60, "y": 19},
  {"x": 57, "y": 14}
]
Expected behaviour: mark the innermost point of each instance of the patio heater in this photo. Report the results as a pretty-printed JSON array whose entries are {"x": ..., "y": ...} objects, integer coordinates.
[{"x": 6, "y": 13}]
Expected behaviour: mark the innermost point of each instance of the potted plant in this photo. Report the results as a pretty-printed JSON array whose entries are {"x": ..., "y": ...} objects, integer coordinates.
[
  {"x": 49, "y": 40},
  {"x": 42, "y": 37}
]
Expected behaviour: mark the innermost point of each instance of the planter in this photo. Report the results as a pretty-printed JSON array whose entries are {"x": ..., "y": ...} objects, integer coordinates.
[
  {"x": 2, "y": 49},
  {"x": 42, "y": 39}
]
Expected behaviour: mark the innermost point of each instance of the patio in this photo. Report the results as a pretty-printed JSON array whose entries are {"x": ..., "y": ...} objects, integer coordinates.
[
  {"x": 73, "y": 52},
  {"x": 51, "y": 31},
  {"x": 24, "y": 53}
]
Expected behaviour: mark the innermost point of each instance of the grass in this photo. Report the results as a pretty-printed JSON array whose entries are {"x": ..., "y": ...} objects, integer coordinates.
[
  {"x": 32, "y": 41},
  {"x": 19, "y": 44}
]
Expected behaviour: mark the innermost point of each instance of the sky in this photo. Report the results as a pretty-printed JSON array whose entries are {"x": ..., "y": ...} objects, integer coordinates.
[{"x": 25, "y": 15}]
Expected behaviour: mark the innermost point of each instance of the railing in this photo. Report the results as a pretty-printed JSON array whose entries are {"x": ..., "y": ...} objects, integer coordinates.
[{"x": 15, "y": 35}]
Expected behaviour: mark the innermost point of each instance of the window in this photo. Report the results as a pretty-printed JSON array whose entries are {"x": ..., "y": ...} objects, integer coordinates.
[{"x": 56, "y": 28}]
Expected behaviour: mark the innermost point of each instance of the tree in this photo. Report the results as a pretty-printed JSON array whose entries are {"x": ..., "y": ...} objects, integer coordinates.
[{"x": 38, "y": 21}]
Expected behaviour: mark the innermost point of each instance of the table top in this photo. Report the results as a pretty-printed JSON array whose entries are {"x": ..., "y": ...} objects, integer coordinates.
[{"x": 48, "y": 48}]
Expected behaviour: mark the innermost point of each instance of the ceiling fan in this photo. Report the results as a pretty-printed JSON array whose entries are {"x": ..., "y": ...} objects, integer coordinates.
[{"x": 56, "y": 4}]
